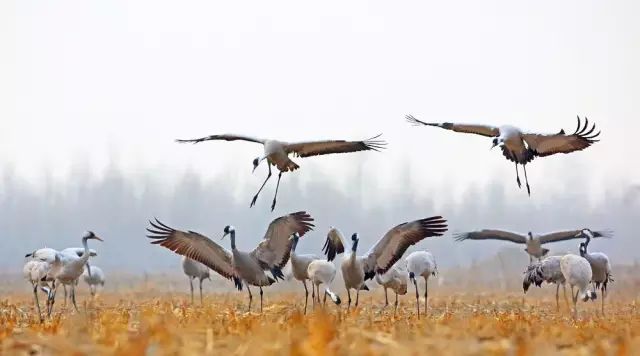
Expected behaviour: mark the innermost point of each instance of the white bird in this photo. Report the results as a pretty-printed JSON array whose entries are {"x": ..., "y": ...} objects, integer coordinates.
[
  {"x": 394, "y": 279},
  {"x": 72, "y": 268},
  {"x": 35, "y": 272},
  {"x": 194, "y": 269},
  {"x": 386, "y": 252},
  {"x": 521, "y": 147},
  {"x": 300, "y": 263},
  {"x": 322, "y": 272},
  {"x": 547, "y": 270},
  {"x": 272, "y": 253},
  {"x": 533, "y": 243},
  {"x": 276, "y": 153},
  {"x": 600, "y": 267},
  {"x": 421, "y": 264},
  {"x": 577, "y": 272},
  {"x": 75, "y": 251},
  {"x": 93, "y": 276}
]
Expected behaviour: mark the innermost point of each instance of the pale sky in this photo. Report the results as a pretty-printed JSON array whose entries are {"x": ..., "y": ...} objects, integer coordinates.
[{"x": 115, "y": 82}]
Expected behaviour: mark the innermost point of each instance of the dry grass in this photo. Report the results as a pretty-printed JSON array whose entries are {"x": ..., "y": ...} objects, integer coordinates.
[{"x": 138, "y": 323}]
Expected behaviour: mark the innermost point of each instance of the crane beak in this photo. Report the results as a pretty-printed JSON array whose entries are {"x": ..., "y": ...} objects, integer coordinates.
[
  {"x": 98, "y": 238},
  {"x": 222, "y": 238}
]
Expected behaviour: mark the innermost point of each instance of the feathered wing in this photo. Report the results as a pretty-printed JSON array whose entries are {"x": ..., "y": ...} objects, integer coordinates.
[
  {"x": 482, "y": 130},
  {"x": 315, "y": 148},
  {"x": 196, "y": 247},
  {"x": 334, "y": 244},
  {"x": 274, "y": 250},
  {"x": 79, "y": 251},
  {"x": 390, "y": 248},
  {"x": 570, "y": 234},
  {"x": 491, "y": 235},
  {"x": 223, "y": 137},
  {"x": 545, "y": 145}
]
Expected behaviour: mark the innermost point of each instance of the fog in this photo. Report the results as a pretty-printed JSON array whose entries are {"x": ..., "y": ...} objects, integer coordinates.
[{"x": 56, "y": 213}]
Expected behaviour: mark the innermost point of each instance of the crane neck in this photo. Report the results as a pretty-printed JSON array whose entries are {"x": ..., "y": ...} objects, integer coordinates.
[
  {"x": 294, "y": 244},
  {"x": 232, "y": 237},
  {"x": 85, "y": 254},
  {"x": 354, "y": 246}
]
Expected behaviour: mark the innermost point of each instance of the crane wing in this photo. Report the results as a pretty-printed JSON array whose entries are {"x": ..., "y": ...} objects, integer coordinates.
[
  {"x": 334, "y": 244},
  {"x": 492, "y": 235},
  {"x": 196, "y": 247},
  {"x": 79, "y": 251},
  {"x": 274, "y": 250},
  {"x": 315, "y": 148},
  {"x": 390, "y": 248},
  {"x": 483, "y": 130},
  {"x": 570, "y": 234},
  {"x": 223, "y": 137},
  {"x": 545, "y": 145}
]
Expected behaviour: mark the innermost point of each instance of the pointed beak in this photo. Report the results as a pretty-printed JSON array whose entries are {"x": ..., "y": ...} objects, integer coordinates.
[
  {"x": 225, "y": 234},
  {"x": 98, "y": 238},
  {"x": 493, "y": 145}
]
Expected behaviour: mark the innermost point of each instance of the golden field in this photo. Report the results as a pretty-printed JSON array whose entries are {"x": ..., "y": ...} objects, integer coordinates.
[{"x": 152, "y": 323}]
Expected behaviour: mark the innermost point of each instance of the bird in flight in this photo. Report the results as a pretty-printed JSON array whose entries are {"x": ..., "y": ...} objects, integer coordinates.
[
  {"x": 277, "y": 153},
  {"x": 521, "y": 147}
]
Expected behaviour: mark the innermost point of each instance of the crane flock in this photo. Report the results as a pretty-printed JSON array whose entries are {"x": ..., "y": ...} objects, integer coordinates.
[{"x": 46, "y": 269}]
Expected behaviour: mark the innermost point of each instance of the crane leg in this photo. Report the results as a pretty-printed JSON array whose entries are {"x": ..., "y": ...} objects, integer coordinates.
[
  {"x": 526, "y": 179},
  {"x": 395, "y": 307},
  {"x": 349, "y": 295},
  {"x": 575, "y": 302},
  {"x": 558, "y": 297},
  {"x": 386, "y": 299},
  {"x": 255, "y": 197},
  {"x": 273, "y": 205},
  {"x": 603, "y": 291},
  {"x": 426, "y": 296},
  {"x": 201, "y": 292},
  {"x": 415, "y": 284},
  {"x": 324, "y": 300},
  {"x": 357, "y": 296},
  {"x": 261, "y": 299},
  {"x": 35, "y": 294},
  {"x": 73, "y": 297},
  {"x": 566, "y": 301},
  {"x": 250, "y": 296},
  {"x": 306, "y": 296},
  {"x": 52, "y": 298},
  {"x": 64, "y": 302},
  {"x": 191, "y": 287},
  {"x": 518, "y": 176},
  {"x": 318, "y": 293}
]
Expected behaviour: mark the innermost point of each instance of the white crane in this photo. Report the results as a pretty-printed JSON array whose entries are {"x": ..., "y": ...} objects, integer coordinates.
[
  {"x": 386, "y": 252},
  {"x": 577, "y": 272},
  {"x": 75, "y": 251},
  {"x": 521, "y": 147},
  {"x": 600, "y": 267},
  {"x": 533, "y": 242},
  {"x": 322, "y": 272},
  {"x": 272, "y": 253},
  {"x": 194, "y": 269},
  {"x": 93, "y": 276},
  {"x": 300, "y": 263},
  {"x": 421, "y": 264},
  {"x": 547, "y": 270},
  {"x": 35, "y": 272},
  {"x": 396, "y": 280},
  {"x": 71, "y": 269},
  {"x": 277, "y": 153}
]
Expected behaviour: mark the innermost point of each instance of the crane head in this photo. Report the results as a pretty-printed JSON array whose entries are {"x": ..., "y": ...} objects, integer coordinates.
[
  {"x": 90, "y": 235},
  {"x": 228, "y": 230},
  {"x": 497, "y": 141},
  {"x": 256, "y": 163}
]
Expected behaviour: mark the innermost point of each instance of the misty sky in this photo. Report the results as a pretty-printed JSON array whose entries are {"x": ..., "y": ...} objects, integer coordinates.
[{"x": 92, "y": 88}]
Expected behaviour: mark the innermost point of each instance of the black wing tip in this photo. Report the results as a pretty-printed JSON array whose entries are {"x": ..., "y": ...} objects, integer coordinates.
[
  {"x": 238, "y": 283},
  {"x": 581, "y": 131},
  {"x": 369, "y": 275}
]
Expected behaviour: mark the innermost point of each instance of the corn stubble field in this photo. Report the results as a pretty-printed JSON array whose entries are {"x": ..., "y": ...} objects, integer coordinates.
[{"x": 144, "y": 323}]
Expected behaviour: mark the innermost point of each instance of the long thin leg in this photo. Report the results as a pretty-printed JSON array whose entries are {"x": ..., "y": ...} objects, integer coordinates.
[
  {"x": 349, "y": 295},
  {"x": 250, "y": 296},
  {"x": 306, "y": 295},
  {"x": 73, "y": 297},
  {"x": 518, "y": 176},
  {"x": 255, "y": 197},
  {"x": 201, "y": 292},
  {"x": 386, "y": 299},
  {"x": 566, "y": 301},
  {"x": 52, "y": 298},
  {"x": 64, "y": 304},
  {"x": 415, "y": 284},
  {"x": 575, "y": 303},
  {"x": 191, "y": 285},
  {"x": 426, "y": 296},
  {"x": 261, "y": 299},
  {"x": 318, "y": 293},
  {"x": 324, "y": 300},
  {"x": 557, "y": 297},
  {"x": 273, "y": 205},
  {"x": 357, "y": 296},
  {"x": 603, "y": 292},
  {"x": 395, "y": 308},
  {"x": 526, "y": 179},
  {"x": 35, "y": 294}
]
